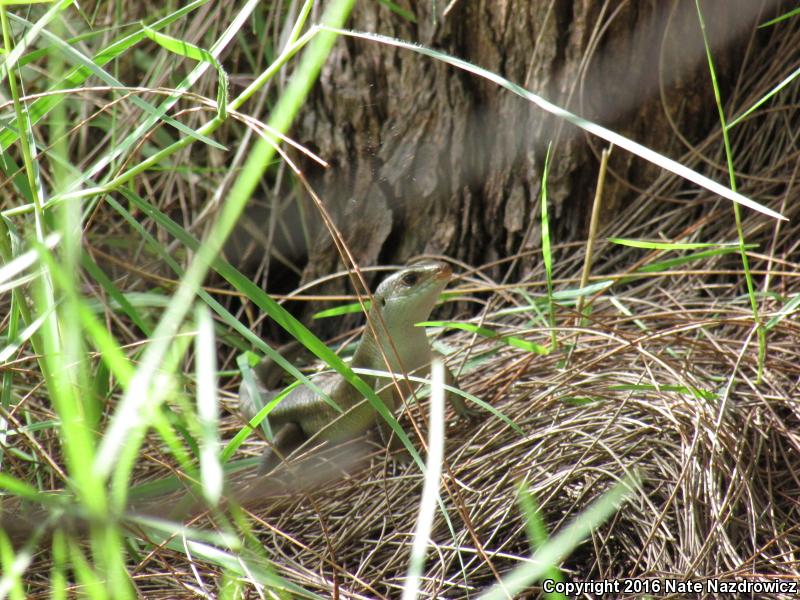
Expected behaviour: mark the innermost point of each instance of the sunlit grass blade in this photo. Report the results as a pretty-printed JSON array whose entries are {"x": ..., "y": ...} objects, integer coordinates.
[
  {"x": 430, "y": 490},
  {"x": 85, "y": 575},
  {"x": 564, "y": 542},
  {"x": 162, "y": 155},
  {"x": 12, "y": 56},
  {"x": 511, "y": 340},
  {"x": 344, "y": 309},
  {"x": 136, "y": 396},
  {"x": 653, "y": 245},
  {"x": 786, "y": 81},
  {"x": 156, "y": 114},
  {"x": 33, "y": 184},
  {"x": 783, "y": 17},
  {"x": 258, "y": 419},
  {"x": 207, "y": 406},
  {"x": 173, "y": 434},
  {"x": 589, "y": 290},
  {"x": 105, "y": 343},
  {"x": 536, "y": 529},
  {"x": 29, "y": 180},
  {"x": 26, "y": 260},
  {"x": 12, "y": 567},
  {"x": 17, "y": 487},
  {"x": 132, "y": 139},
  {"x": 58, "y": 574},
  {"x": 15, "y": 342}
]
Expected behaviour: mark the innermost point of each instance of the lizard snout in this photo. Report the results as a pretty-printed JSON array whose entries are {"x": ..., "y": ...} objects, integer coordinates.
[{"x": 444, "y": 272}]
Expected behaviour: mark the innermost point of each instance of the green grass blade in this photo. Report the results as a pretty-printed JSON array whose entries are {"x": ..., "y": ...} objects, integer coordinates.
[
  {"x": 789, "y": 79},
  {"x": 12, "y": 56},
  {"x": 589, "y": 290},
  {"x": 12, "y": 567},
  {"x": 672, "y": 263},
  {"x": 547, "y": 252},
  {"x": 58, "y": 574},
  {"x": 257, "y": 419},
  {"x": 142, "y": 128},
  {"x": 559, "y": 546},
  {"x": 26, "y": 260},
  {"x": 399, "y": 10},
  {"x": 344, "y": 309},
  {"x": 652, "y": 245},
  {"x": 698, "y": 393},
  {"x": 136, "y": 398},
  {"x": 783, "y": 17},
  {"x": 233, "y": 276},
  {"x": 87, "y": 63},
  {"x": 510, "y": 340},
  {"x": 189, "y": 50},
  {"x": 110, "y": 351},
  {"x": 75, "y": 77},
  {"x": 762, "y": 342},
  {"x": 787, "y": 309},
  {"x": 88, "y": 263}
]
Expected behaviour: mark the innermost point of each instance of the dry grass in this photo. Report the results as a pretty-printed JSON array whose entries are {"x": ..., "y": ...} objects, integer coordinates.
[
  {"x": 720, "y": 469},
  {"x": 720, "y": 474}
]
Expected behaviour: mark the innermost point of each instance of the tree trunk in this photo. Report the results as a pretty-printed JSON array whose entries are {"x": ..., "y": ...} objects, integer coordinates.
[{"x": 427, "y": 158}]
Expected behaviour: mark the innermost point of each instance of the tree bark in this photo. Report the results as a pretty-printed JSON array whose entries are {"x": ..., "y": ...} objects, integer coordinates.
[{"x": 426, "y": 158}]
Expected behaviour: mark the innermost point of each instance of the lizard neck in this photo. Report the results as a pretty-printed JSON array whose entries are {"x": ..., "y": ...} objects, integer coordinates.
[
  {"x": 412, "y": 347},
  {"x": 410, "y": 342}
]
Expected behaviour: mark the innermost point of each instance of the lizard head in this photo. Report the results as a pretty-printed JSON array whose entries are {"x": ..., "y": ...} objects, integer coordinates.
[{"x": 408, "y": 296}]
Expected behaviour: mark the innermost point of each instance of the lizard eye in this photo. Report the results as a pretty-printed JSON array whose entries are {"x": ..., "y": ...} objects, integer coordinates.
[{"x": 410, "y": 279}]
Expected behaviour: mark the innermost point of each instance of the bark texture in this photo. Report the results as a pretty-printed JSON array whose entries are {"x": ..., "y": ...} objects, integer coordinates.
[{"x": 426, "y": 158}]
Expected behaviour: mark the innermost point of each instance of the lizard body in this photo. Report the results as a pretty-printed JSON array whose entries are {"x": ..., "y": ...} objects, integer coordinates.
[{"x": 401, "y": 300}]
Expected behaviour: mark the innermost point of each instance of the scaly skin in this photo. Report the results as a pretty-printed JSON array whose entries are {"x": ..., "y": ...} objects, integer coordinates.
[{"x": 401, "y": 300}]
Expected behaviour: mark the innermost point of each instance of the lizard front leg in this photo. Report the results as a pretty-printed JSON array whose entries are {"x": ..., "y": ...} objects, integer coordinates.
[
  {"x": 288, "y": 439},
  {"x": 457, "y": 401}
]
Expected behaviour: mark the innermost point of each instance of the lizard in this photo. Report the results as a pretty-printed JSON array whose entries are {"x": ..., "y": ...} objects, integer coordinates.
[{"x": 401, "y": 300}]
